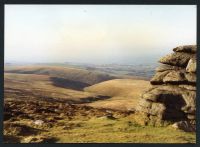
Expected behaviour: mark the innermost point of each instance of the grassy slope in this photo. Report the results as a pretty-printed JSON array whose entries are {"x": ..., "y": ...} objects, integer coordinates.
[
  {"x": 123, "y": 130},
  {"x": 78, "y": 124},
  {"x": 70, "y": 73},
  {"x": 39, "y": 86},
  {"x": 124, "y": 93}
]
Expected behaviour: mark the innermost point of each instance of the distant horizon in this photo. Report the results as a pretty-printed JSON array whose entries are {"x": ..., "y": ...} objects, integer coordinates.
[
  {"x": 71, "y": 62},
  {"x": 99, "y": 34},
  {"x": 152, "y": 60}
]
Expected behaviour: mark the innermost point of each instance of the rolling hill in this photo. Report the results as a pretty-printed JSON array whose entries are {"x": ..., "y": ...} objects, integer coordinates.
[
  {"x": 73, "y": 85},
  {"x": 82, "y": 76},
  {"x": 124, "y": 93},
  {"x": 68, "y": 105},
  {"x": 42, "y": 88}
]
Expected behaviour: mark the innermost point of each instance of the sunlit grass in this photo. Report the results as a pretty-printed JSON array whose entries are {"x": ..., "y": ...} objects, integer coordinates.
[{"x": 103, "y": 130}]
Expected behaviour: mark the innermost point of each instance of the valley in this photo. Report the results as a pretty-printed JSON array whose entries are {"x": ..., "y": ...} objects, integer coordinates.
[{"x": 56, "y": 104}]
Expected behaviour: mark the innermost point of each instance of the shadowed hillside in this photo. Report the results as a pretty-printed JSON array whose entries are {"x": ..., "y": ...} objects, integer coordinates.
[
  {"x": 65, "y": 83},
  {"x": 68, "y": 73},
  {"x": 42, "y": 88}
]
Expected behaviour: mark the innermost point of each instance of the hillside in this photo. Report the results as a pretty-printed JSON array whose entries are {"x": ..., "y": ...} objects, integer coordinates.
[
  {"x": 118, "y": 94},
  {"x": 42, "y": 88},
  {"x": 53, "y": 122},
  {"x": 124, "y": 93},
  {"x": 85, "y": 77},
  {"x": 54, "y": 104}
]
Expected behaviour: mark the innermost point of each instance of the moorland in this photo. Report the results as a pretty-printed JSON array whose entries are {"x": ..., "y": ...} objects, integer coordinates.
[{"x": 79, "y": 103}]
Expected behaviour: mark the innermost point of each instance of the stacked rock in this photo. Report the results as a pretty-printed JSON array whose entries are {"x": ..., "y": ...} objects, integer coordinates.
[{"x": 172, "y": 96}]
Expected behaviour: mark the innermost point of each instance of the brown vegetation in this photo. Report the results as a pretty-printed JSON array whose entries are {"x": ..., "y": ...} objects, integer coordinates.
[{"x": 67, "y": 105}]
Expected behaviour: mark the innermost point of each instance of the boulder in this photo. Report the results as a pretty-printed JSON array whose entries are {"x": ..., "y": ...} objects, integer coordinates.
[
  {"x": 191, "y": 77},
  {"x": 186, "y": 49},
  {"x": 157, "y": 109},
  {"x": 190, "y": 116},
  {"x": 188, "y": 87},
  {"x": 39, "y": 122},
  {"x": 184, "y": 125},
  {"x": 164, "y": 67},
  {"x": 175, "y": 77},
  {"x": 172, "y": 96},
  {"x": 158, "y": 77},
  {"x": 192, "y": 65},
  {"x": 37, "y": 139},
  {"x": 177, "y": 59}
]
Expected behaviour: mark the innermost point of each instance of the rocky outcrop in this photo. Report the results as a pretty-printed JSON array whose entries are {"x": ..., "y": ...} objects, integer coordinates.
[{"x": 172, "y": 97}]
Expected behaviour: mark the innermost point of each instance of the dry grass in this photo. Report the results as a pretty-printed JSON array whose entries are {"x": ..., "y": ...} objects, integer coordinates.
[
  {"x": 39, "y": 86},
  {"x": 70, "y": 73},
  {"x": 124, "y": 93},
  {"x": 76, "y": 123},
  {"x": 80, "y": 124}
]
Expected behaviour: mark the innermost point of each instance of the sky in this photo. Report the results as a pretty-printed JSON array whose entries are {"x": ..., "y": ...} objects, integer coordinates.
[{"x": 101, "y": 34}]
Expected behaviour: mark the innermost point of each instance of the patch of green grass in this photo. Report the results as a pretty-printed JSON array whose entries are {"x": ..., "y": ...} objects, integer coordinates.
[{"x": 98, "y": 130}]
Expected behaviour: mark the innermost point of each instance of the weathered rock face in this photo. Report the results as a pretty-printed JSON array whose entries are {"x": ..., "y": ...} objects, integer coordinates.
[{"x": 172, "y": 97}]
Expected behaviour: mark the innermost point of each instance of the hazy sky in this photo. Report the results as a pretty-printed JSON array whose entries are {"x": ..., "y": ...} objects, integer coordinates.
[{"x": 96, "y": 33}]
